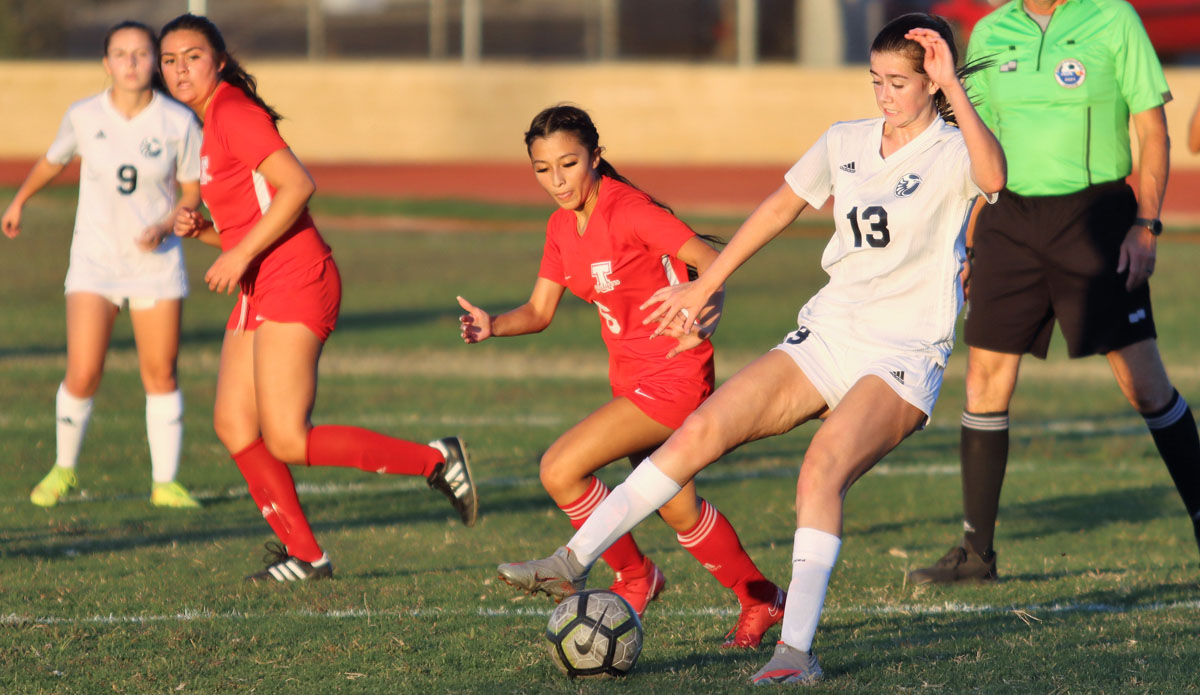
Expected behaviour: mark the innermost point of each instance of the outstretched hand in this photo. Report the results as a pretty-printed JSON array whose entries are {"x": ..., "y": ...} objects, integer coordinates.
[
  {"x": 684, "y": 301},
  {"x": 939, "y": 61},
  {"x": 475, "y": 325}
]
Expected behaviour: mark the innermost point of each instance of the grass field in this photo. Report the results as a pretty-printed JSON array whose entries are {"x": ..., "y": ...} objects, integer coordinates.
[{"x": 106, "y": 594}]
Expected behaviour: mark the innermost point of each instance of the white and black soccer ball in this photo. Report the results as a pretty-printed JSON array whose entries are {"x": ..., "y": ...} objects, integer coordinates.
[{"x": 594, "y": 633}]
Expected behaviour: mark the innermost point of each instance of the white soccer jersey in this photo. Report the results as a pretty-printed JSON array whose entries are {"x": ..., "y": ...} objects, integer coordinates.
[
  {"x": 897, "y": 250},
  {"x": 127, "y": 182}
]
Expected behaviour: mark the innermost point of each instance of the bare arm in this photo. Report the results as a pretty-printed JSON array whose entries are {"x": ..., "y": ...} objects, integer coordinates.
[
  {"x": 770, "y": 218},
  {"x": 293, "y": 187},
  {"x": 43, "y": 172},
  {"x": 989, "y": 169},
  {"x": 531, "y": 317},
  {"x": 1139, "y": 249}
]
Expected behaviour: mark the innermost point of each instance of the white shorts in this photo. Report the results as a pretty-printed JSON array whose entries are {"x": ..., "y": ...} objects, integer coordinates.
[
  {"x": 833, "y": 367},
  {"x": 135, "y": 303},
  {"x": 141, "y": 280}
]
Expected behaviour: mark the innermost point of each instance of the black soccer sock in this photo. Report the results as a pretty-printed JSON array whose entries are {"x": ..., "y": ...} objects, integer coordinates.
[
  {"x": 1174, "y": 432},
  {"x": 984, "y": 458}
]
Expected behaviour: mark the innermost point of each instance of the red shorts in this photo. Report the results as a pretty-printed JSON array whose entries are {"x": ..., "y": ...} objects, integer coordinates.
[
  {"x": 667, "y": 402},
  {"x": 312, "y": 298}
]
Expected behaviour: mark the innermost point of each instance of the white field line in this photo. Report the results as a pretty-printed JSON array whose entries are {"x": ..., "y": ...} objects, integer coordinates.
[{"x": 944, "y": 609}]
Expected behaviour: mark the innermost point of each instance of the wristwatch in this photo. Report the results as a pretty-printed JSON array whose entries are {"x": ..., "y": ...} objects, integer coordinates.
[{"x": 1155, "y": 226}]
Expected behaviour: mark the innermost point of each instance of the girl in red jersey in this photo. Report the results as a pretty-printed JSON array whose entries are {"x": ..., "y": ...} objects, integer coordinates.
[
  {"x": 290, "y": 293},
  {"x": 613, "y": 245}
]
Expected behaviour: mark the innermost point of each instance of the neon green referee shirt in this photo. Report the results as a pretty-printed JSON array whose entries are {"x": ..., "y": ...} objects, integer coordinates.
[{"x": 1059, "y": 101}]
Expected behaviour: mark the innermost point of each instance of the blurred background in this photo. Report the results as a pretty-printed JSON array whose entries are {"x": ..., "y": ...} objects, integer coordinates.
[
  {"x": 707, "y": 99},
  {"x": 811, "y": 32}
]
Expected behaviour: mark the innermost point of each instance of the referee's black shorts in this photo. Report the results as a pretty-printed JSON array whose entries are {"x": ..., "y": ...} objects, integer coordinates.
[{"x": 1046, "y": 258}]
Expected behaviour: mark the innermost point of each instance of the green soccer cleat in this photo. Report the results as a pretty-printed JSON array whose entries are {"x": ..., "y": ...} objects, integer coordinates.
[
  {"x": 172, "y": 495},
  {"x": 52, "y": 488}
]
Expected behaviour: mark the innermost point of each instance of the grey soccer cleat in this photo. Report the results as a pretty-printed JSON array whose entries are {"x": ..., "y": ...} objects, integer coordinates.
[
  {"x": 453, "y": 478},
  {"x": 557, "y": 576},
  {"x": 960, "y": 564},
  {"x": 789, "y": 666}
]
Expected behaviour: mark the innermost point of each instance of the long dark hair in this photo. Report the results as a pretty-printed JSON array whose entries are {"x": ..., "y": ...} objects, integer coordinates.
[
  {"x": 572, "y": 119},
  {"x": 891, "y": 40},
  {"x": 156, "y": 81},
  {"x": 233, "y": 72}
]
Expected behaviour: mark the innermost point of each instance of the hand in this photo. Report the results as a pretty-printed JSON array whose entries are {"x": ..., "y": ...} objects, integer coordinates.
[
  {"x": 1138, "y": 252},
  {"x": 687, "y": 341},
  {"x": 152, "y": 237},
  {"x": 475, "y": 325},
  {"x": 226, "y": 272},
  {"x": 685, "y": 301},
  {"x": 11, "y": 222},
  {"x": 189, "y": 223},
  {"x": 939, "y": 62}
]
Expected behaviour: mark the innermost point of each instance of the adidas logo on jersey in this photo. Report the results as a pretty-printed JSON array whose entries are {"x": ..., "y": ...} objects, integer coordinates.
[
  {"x": 849, "y": 168},
  {"x": 898, "y": 376},
  {"x": 100, "y": 135}
]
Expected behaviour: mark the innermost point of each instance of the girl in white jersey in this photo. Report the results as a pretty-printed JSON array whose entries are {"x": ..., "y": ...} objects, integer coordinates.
[
  {"x": 137, "y": 148},
  {"x": 869, "y": 353}
]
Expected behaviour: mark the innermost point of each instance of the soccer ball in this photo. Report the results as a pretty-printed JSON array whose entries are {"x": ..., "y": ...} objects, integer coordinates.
[{"x": 594, "y": 633}]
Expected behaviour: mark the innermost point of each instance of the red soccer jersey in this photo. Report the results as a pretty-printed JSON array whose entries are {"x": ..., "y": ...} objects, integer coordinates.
[
  {"x": 626, "y": 253},
  {"x": 238, "y": 136}
]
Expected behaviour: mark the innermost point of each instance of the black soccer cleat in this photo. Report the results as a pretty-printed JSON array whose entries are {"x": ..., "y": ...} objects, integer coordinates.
[
  {"x": 960, "y": 564},
  {"x": 282, "y": 567},
  {"x": 453, "y": 478}
]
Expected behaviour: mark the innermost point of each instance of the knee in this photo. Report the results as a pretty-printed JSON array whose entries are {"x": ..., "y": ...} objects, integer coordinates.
[
  {"x": 235, "y": 433},
  {"x": 159, "y": 378},
  {"x": 82, "y": 384},
  {"x": 819, "y": 478},
  {"x": 557, "y": 478},
  {"x": 289, "y": 447},
  {"x": 681, "y": 514},
  {"x": 698, "y": 432}
]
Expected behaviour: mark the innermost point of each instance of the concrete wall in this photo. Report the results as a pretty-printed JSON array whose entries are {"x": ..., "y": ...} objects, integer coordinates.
[{"x": 423, "y": 112}]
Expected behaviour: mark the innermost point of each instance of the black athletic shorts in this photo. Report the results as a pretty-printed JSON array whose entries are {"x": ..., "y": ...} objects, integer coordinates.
[{"x": 1046, "y": 258}]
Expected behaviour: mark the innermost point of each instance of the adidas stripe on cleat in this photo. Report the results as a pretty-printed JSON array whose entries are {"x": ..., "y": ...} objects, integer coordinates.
[
  {"x": 453, "y": 478},
  {"x": 789, "y": 666},
  {"x": 282, "y": 567}
]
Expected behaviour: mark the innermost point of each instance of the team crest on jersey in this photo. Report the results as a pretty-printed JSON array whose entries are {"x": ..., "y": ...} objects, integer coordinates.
[
  {"x": 151, "y": 147},
  {"x": 907, "y": 185},
  {"x": 1070, "y": 73},
  {"x": 601, "y": 272}
]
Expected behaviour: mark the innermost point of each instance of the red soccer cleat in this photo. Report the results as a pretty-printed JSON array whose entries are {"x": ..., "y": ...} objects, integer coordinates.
[
  {"x": 754, "y": 622},
  {"x": 641, "y": 588}
]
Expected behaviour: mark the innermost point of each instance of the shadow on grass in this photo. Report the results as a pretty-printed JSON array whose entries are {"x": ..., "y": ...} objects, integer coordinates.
[{"x": 212, "y": 335}]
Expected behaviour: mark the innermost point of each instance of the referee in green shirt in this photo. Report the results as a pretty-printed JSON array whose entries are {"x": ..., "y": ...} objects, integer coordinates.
[{"x": 1068, "y": 240}]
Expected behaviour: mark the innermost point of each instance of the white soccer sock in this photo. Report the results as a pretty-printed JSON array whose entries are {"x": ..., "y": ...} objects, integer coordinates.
[
  {"x": 813, "y": 555},
  {"x": 645, "y": 490},
  {"x": 164, "y": 431},
  {"x": 72, "y": 415}
]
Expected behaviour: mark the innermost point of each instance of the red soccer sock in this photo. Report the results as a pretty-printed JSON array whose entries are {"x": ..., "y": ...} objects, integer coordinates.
[
  {"x": 622, "y": 556},
  {"x": 355, "y": 447},
  {"x": 714, "y": 544},
  {"x": 274, "y": 491}
]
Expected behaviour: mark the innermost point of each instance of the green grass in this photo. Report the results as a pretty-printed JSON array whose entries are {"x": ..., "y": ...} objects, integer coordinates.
[{"x": 107, "y": 594}]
